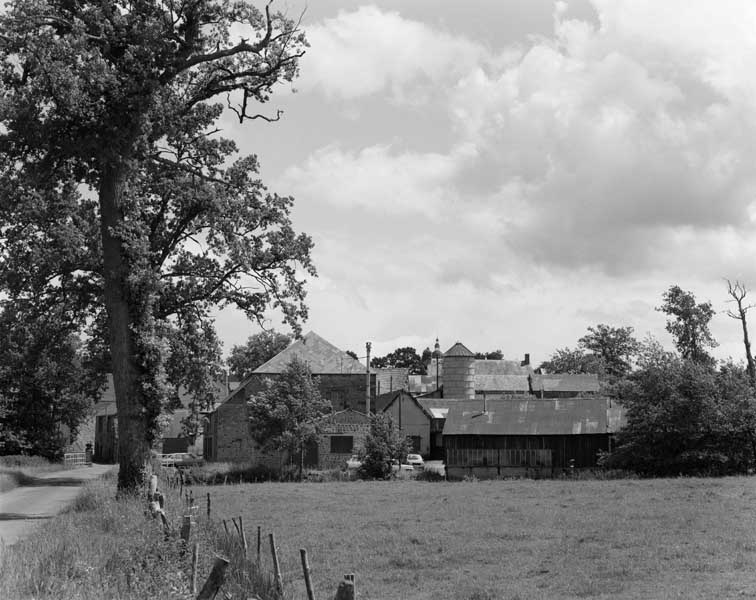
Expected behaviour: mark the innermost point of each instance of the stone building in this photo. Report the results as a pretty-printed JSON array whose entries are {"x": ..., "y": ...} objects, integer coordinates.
[{"x": 342, "y": 380}]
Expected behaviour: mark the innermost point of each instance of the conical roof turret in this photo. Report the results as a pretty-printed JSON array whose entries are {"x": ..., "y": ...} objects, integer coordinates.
[{"x": 458, "y": 350}]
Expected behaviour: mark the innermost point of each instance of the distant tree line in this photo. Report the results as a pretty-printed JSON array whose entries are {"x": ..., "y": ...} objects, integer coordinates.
[{"x": 685, "y": 414}]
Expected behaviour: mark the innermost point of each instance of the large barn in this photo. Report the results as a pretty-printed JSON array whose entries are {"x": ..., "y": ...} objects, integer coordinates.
[{"x": 513, "y": 437}]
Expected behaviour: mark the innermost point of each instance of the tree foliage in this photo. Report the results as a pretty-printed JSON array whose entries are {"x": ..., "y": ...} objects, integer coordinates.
[
  {"x": 383, "y": 444},
  {"x": 401, "y": 358},
  {"x": 495, "y": 355},
  {"x": 605, "y": 351},
  {"x": 689, "y": 324},
  {"x": 257, "y": 350},
  {"x": 287, "y": 414},
  {"x": 45, "y": 390},
  {"x": 614, "y": 347},
  {"x": 117, "y": 196},
  {"x": 686, "y": 417}
]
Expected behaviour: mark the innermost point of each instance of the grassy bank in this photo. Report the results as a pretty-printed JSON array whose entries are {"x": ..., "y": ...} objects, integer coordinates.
[
  {"x": 19, "y": 470},
  {"x": 103, "y": 547},
  {"x": 673, "y": 538}
]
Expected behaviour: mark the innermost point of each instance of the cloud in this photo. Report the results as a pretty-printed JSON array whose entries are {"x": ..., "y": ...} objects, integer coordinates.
[{"x": 367, "y": 51}]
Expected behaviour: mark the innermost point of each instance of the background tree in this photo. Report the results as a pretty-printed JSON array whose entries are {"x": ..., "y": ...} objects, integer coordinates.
[
  {"x": 115, "y": 100},
  {"x": 613, "y": 346},
  {"x": 574, "y": 361},
  {"x": 401, "y": 358},
  {"x": 45, "y": 390},
  {"x": 689, "y": 324},
  {"x": 495, "y": 355},
  {"x": 286, "y": 415},
  {"x": 352, "y": 354},
  {"x": 686, "y": 417},
  {"x": 605, "y": 351},
  {"x": 257, "y": 350},
  {"x": 738, "y": 292},
  {"x": 383, "y": 444}
]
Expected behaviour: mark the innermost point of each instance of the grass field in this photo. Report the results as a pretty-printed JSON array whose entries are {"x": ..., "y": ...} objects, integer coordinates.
[
  {"x": 672, "y": 538},
  {"x": 17, "y": 470}
]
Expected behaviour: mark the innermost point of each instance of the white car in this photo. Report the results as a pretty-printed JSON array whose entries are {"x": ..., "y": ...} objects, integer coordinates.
[
  {"x": 396, "y": 467},
  {"x": 353, "y": 462},
  {"x": 416, "y": 461}
]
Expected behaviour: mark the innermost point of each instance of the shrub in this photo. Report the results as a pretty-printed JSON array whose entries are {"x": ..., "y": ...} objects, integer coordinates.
[{"x": 383, "y": 444}]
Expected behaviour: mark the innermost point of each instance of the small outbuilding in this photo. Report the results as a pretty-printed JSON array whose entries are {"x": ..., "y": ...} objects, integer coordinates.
[{"x": 507, "y": 437}]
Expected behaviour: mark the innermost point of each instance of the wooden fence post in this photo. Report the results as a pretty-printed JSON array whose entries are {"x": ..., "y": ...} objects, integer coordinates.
[
  {"x": 306, "y": 570},
  {"x": 214, "y": 580},
  {"x": 276, "y": 566},
  {"x": 186, "y": 528},
  {"x": 347, "y": 588},
  {"x": 208, "y": 505},
  {"x": 195, "y": 558},
  {"x": 259, "y": 543},
  {"x": 243, "y": 537}
]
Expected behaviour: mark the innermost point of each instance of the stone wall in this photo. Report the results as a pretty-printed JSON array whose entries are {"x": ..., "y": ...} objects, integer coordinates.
[{"x": 348, "y": 423}]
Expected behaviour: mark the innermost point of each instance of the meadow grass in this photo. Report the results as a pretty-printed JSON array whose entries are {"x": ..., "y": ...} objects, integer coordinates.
[
  {"x": 665, "y": 538},
  {"x": 519, "y": 539}
]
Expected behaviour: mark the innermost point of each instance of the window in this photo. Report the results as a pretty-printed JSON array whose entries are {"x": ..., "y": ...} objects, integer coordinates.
[
  {"x": 414, "y": 441},
  {"x": 342, "y": 444}
]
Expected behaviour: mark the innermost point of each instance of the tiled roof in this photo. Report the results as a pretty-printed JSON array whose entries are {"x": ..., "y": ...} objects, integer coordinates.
[
  {"x": 534, "y": 417},
  {"x": 501, "y": 383},
  {"x": 565, "y": 382},
  {"x": 389, "y": 380},
  {"x": 321, "y": 356},
  {"x": 501, "y": 367},
  {"x": 458, "y": 349}
]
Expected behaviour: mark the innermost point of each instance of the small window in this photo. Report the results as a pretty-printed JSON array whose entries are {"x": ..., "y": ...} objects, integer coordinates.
[
  {"x": 342, "y": 444},
  {"x": 414, "y": 442}
]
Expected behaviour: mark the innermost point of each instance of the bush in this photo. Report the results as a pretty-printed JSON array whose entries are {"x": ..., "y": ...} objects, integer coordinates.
[{"x": 383, "y": 444}]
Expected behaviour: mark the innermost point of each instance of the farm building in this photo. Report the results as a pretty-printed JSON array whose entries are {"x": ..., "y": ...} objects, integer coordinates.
[
  {"x": 342, "y": 381},
  {"x": 105, "y": 424},
  {"x": 342, "y": 435},
  {"x": 511, "y": 437},
  {"x": 563, "y": 385}
]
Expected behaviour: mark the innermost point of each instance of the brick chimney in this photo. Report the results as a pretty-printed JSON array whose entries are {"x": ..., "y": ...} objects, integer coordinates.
[{"x": 526, "y": 360}]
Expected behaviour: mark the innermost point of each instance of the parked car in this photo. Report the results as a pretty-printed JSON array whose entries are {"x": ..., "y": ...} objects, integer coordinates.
[
  {"x": 353, "y": 462},
  {"x": 396, "y": 467},
  {"x": 181, "y": 460},
  {"x": 416, "y": 461}
]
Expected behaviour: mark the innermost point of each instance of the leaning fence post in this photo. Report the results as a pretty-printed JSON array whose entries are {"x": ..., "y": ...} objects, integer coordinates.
[
  {"x": 195, "y": 559},
  {"x": 243, "y": 537},
  {"x": 186, "y": 528},
  {"x": 208, "y": 505},
  {"x": 346, "y": 589},
  {"x": 276, "y": 566},
  {"x": 214, "y": 580},
  {"x": 306, "y": 570}
]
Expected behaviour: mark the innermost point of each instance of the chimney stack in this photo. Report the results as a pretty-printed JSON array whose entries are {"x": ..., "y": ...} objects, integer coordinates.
[{"x": 526, "y": 361}]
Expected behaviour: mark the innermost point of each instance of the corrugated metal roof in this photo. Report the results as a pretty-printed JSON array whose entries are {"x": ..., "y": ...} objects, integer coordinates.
[
  {"x": 421, "y": 384},
  {"x": 501, "y": 383},
  {"x": 532, "y": 417},
  {"x": 322, "y": 357},
  {"x": 566, "y": 382},
  {"x": 458, "y": 349}
]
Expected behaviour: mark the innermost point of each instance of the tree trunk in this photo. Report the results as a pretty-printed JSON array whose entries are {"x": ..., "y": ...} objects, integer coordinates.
[
  {"x": 133, "y": 448},
  {"x": 747, "y": 343}
]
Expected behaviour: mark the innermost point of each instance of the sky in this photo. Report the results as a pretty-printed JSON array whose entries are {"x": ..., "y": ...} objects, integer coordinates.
[{"x": 508, "y": 174}]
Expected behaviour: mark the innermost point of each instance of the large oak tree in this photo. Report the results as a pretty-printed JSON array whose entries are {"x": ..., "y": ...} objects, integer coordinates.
[{"x": 118, "y": 195}]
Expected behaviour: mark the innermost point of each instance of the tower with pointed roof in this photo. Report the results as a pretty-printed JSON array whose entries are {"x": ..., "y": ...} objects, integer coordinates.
[{"x": 459, "y": 373}]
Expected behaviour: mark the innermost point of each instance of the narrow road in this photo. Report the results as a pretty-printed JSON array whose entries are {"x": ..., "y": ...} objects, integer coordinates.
[{"x": 24, "y": 508}]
